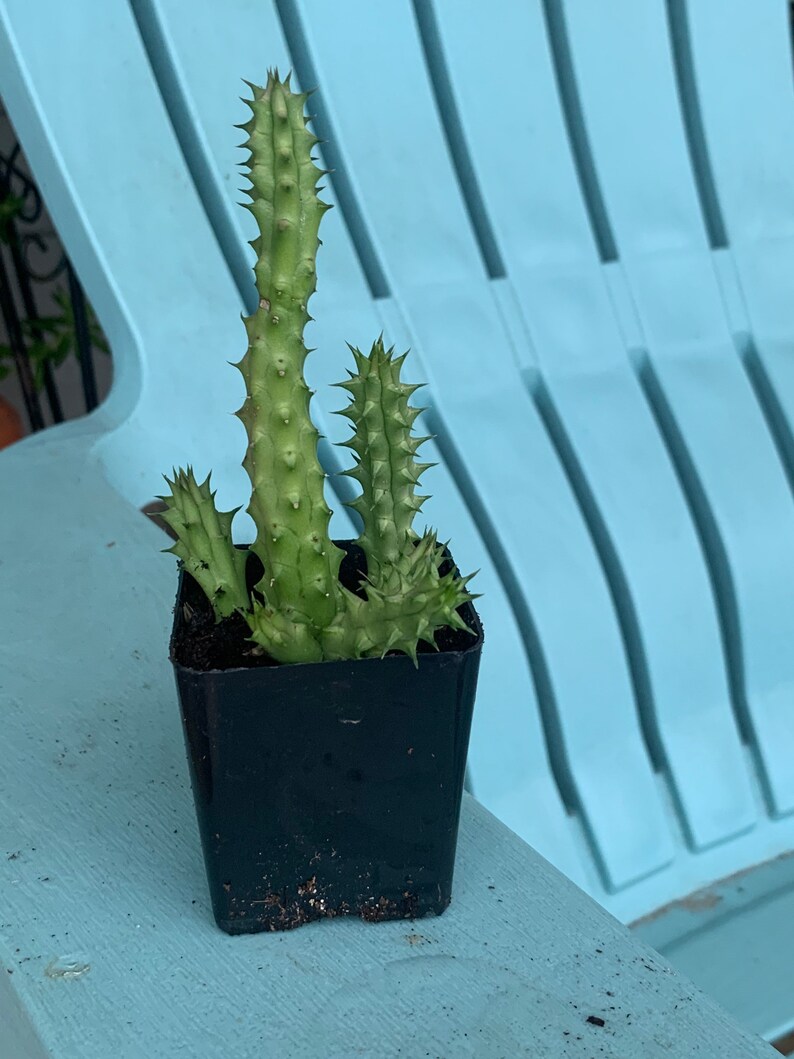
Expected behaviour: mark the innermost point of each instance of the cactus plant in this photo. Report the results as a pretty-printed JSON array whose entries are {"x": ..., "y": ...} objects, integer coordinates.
[{"x": 299, "y": 611}]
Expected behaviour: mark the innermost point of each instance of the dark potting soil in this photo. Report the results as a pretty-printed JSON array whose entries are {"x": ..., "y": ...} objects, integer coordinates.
[
  {"x": 201, "y": 643},
  {"x": 307, "y": 905}
]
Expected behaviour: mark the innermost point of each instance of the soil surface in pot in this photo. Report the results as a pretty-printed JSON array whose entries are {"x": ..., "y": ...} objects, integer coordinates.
[{"x": 203, "y": 644}]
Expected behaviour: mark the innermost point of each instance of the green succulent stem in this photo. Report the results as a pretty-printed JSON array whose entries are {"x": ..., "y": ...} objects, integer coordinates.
[
  {"x": 204, "y": 542},
  {"x": 410, "y": 603},
  {"x": 299, "y": 611},
  {"x": 385, "y": 453},
  {"x": 288, "y": 503}
]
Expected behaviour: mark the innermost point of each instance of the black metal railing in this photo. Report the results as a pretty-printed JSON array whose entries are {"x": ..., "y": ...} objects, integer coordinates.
[{"x": 31, "y": 258}]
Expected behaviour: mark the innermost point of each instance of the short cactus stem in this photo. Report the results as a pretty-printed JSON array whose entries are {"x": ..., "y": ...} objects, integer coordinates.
[
  {"x": 385, "y": 452},
  {"x": 204, "y": 542}
]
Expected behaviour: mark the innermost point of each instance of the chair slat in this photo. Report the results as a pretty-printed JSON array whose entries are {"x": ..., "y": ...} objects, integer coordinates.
[
  {"x": 747, "y": 126},
  {"x": 634, "y": 124},
  {"x": 747, "y": 121}
]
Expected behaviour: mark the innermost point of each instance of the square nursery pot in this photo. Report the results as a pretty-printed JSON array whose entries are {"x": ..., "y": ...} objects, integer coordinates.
[{"x": 326, "y": 788}]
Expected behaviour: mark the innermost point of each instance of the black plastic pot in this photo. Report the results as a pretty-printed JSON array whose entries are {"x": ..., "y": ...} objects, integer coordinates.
[{"x": 331, "y": 788}]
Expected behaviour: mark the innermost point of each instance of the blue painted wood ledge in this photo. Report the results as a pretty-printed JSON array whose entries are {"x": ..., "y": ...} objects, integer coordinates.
[{"x": 107, "y": 942}]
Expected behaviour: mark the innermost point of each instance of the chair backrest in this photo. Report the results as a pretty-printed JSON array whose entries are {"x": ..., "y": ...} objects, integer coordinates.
[{"x": 578, "y": 216}]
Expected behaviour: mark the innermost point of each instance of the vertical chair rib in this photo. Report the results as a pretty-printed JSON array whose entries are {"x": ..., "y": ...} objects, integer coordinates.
[
  {"x": 455, "y": 137},
  {"x": 577, "y": 130},
  {"x": 748, "y": 144},
  {"x": 681, "y": 45}
]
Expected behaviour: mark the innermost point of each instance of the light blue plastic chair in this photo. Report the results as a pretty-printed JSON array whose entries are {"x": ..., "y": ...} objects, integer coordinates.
[{"x": 580, "y": 217}]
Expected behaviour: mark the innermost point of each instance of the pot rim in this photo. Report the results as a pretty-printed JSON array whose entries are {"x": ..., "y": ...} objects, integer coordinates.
[{"x": 469, "y": 614}]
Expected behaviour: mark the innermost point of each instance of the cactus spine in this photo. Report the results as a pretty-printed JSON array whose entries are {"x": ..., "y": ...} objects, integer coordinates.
[{"x": 299, "y": 611}]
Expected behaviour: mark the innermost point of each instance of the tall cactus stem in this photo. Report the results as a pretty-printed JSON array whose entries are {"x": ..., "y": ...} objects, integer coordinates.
[{"x": 288, "y": 504}]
